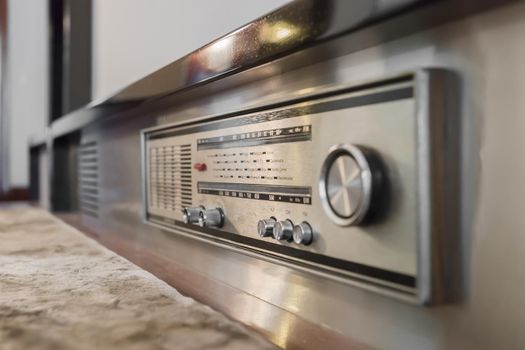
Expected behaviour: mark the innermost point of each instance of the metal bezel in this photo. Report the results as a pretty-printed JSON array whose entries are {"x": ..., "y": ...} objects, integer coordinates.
[{"x": 366, "y": 179}]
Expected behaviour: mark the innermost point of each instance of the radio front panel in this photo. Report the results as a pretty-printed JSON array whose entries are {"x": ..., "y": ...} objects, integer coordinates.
[{"x": 331, "y": 184}]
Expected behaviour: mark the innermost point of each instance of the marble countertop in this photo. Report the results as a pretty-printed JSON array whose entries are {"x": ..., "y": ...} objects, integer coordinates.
[{"x": 62, "y": 290}]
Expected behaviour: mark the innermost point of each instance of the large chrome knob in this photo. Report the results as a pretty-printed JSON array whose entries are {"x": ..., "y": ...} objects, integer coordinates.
[
  {"x": 283, "y": 230},
  {"x": 350, "y": 179},
  {"x": 211, "y": 218},
  {"x": 190, "y": 215},
  {"x": 302, "y": 233},
  {"x": 265, "y": 227}
]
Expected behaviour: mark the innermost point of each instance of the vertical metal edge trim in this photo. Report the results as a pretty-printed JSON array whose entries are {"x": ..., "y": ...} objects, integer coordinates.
[
  {"x": 4, "y": 98},
  {"x": 438, "y": 192},
  {"x": 46, "y": 148},
  {"x": 424, "y": 194},
  {"x": 445, "y": 128},
  {"x": 50, "y": 172},
  {"x": 65, "y": 104},
  {"x": 144, "y": 178}
]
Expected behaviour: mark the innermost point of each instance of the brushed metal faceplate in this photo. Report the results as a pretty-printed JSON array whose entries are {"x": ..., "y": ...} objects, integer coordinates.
[{"x": 268, "y": 164}]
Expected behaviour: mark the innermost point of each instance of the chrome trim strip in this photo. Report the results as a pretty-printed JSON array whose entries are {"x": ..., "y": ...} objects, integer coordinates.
[
  {"x": 4, "y": 100},
  {"x": 423, "y": 191}
]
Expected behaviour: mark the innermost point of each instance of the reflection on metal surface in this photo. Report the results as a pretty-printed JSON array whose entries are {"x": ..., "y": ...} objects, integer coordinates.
[
  {"x": 277, "y": 32},
  {"x": 344, "y": 186},
  {"x": 222, "y": 52},
  {"x": 265, "y": 37},
  {"x": 284, "y": 327}
]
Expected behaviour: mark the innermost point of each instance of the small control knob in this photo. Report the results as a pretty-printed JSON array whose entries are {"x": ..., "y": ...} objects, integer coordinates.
[
  {"x": 190, "y": 215},
  {"x": 283, "y": 230},
  {"x": 302, "y": 233},
  {"x": 350, "y": 183},
  {"x": 265, "y": 227},
  {"x": 211, "y": 218}
]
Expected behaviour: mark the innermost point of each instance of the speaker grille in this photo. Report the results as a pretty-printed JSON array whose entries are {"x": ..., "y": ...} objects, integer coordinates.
[
  {"x": 170, "y": 177},
  {"x": 88, "y": 171}
]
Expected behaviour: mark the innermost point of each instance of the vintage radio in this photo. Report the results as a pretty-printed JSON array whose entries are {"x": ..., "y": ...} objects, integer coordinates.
[{"x": 355, "y": 183}]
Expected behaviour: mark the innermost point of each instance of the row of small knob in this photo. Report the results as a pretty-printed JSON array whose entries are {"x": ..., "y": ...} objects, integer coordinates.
[
  {"x": 285, "y": 230},
  {"x": 203, "y": 217}
]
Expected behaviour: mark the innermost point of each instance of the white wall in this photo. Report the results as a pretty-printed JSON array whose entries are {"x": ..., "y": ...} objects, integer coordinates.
[
  {"x": 132, "y": 38},
  {"x": 27, "y": 84}
]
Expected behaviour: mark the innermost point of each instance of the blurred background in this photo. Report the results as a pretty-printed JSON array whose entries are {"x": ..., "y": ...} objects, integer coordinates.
[{"x": 58, "y": 55}]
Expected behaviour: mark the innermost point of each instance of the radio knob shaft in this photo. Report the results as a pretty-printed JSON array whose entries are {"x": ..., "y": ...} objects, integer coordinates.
[
  {"x": 190, "y": 215},
  {"x": 211, "y": 218},
  {"x": 283, "y": 230},
  {"x": 265, "y": 227},
  {"x": 302, "y": 233}
]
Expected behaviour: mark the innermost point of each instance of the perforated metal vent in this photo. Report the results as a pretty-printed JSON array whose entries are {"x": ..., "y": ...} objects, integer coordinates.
[
  {"x": 88, "y": 173},
  {"x": 170, "y": 177}
]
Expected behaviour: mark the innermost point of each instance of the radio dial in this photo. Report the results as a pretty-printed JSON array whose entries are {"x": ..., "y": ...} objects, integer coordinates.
[
  {"x": 265, "y": 227},
  {"x": 283, "y": 230},
  {"x": 190, "y": 215},
  {"x": 302, "y": 233},
  {"x": 351, "y": 178},
  {"x": 211, "y": 218}
]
